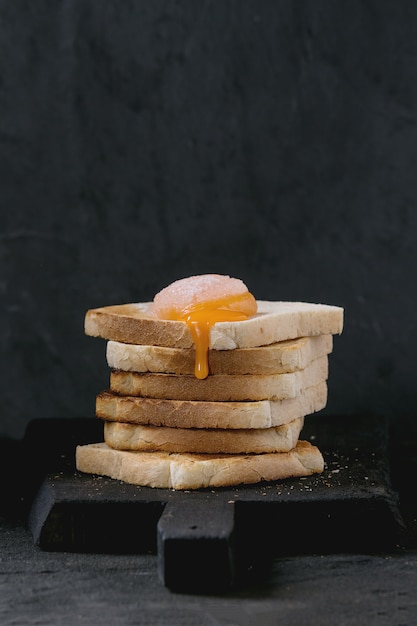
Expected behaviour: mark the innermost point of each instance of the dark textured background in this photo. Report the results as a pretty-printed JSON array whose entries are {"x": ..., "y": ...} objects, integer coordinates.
[{"x": 141, "y": 142}]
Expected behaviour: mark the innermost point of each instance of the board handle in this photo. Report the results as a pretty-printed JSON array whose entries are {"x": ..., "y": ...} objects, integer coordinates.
[{"x": 196, "y": 546}]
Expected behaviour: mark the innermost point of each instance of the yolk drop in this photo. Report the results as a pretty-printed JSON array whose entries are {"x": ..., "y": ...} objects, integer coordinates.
[
  {"x": 200, "y": 302},
  {"x": 200, "y": 321}
]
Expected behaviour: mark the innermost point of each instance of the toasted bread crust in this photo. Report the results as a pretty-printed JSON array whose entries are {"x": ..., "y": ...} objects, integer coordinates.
[
  {"x": 129, "y": 323},
  {"x": 278, "y": 358},
  {"x": 218, "y": 387},
  {"x": 120, "y": 436},
  {"x": 197, "y": 471},
  {"x": 200, "y": 414},
  {"x": 274, "y": 322}
]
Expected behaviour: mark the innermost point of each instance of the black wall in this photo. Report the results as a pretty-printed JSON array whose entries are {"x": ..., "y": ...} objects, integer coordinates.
[{"x": 141, "y": 142}]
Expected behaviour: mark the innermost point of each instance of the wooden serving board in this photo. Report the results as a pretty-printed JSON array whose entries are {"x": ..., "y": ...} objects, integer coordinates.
[{"x": 212, "y": 539}]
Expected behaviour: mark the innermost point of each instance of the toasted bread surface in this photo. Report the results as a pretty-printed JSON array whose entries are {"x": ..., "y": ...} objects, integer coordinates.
[
  {"x": 274, "y": 322},
  {"x": 201, "y": 414},
  {"x": 121, "y": 436},
  {"x": 197, "y": 471},
  {"x": 220, "y": 388},
  {"x": 277, "y": 358}
]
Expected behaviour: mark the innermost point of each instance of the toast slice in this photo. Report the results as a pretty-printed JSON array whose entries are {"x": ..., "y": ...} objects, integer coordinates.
[
  {"x": 200, "y": 414},
  {"x": 277, "y": 358},
  {"x": 122, "y": 436},
  {"x": 274, "y": 322},
  {"x": 219, "y": 388},
  {"x": 197, "y": 471}
]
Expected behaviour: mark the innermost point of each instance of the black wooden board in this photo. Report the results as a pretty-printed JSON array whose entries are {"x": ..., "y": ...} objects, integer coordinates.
[{"x": 210, "y": 539}]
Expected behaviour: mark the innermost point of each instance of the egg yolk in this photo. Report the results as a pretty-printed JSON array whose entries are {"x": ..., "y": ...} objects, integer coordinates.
[
  {"x": 201, "y": 318},
  {"x": 201, "y": 302}
]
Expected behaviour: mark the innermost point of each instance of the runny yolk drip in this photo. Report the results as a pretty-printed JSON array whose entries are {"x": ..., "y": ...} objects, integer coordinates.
[{"x": 203, "y": 316}]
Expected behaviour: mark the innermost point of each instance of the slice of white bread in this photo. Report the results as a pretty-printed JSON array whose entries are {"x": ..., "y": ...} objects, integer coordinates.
[
  {"x": 197, "y": 471},
  {"x": 274, "y": 322},
  {"x": 220, "y": 388},
  {"x": 199, "y": 414},
  {"x": 122, "y": 436},
  {"x": 277, "y": 358}
]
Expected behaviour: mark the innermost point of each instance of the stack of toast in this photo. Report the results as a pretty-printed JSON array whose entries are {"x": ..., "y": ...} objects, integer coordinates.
[{"x": 165, "y": 428}]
